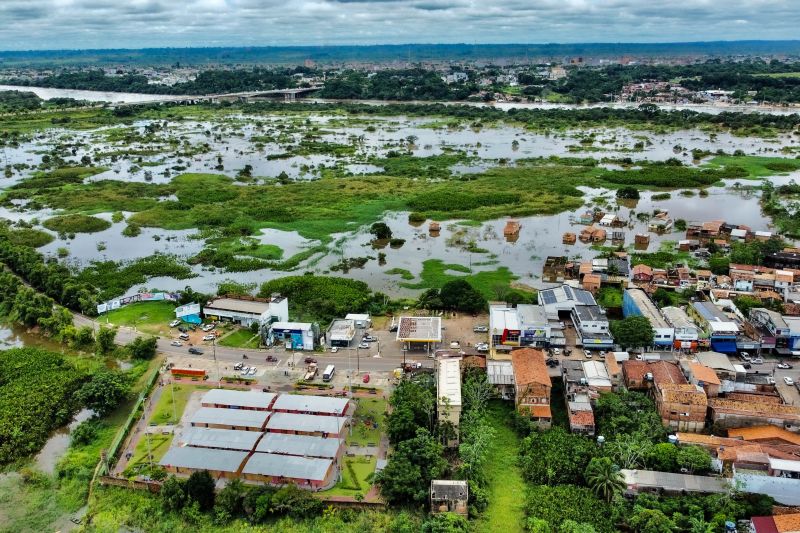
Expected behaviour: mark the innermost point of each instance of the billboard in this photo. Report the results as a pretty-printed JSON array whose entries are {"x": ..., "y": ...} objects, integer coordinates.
[{"x": 186, "y": 310}]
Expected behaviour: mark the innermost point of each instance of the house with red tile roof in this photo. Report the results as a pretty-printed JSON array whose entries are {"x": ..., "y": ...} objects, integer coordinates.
[{"x": 532, "y": 385}]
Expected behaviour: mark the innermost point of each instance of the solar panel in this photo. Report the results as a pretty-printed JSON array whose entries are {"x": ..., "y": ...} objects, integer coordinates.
[{"x": 548, "y": 297}]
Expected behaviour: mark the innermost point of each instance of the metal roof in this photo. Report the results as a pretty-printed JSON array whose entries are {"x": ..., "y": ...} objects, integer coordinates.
[
  {"x": 306, "y": 423},
  {"x": 302, "y": 445},
  {"x": 342, "y": 329},
  {"x": 270, "y": 464},
  {"x": 228, "y": 439},
  {"x": 237, "y": 306},
  {"x": 239, "y": 398},
  {"x": 302, "y": 326},
  {"x": 785, "y": 465},
  {"x": 531, "y": 314},
  {"x": 448, "y": 382},
  {"x": 419, "y": 329},
  {"x": 674, "y": 482},
  {"x": 230, "y": 417},
  {"x": 204, "y": 459},
  {"x": 503, "y": 318},
  {"x": 500, "y": 372},
  {"x": 647, "y": 308},
  {"x": 566, "y": 295},
  {"x": 311, "y": 404},
  {"x": 677, "y": 317}
]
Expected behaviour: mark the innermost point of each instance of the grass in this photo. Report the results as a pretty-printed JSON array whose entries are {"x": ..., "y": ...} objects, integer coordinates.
[
  {"x": 149, "y": 317},
  {"x": 506, "y": 488},
  {"x": 402, "y": 272},
  {"x": 368, "y": 422},
  {"x": 163, "y": 412},
  {"x": 159, "y": 444},
  {"x": 756, "y": 166},
  {"x": 609, "y": 297},
  {"x": 241, "y": 338},
  {"x": 363, "y": 467},
  {"x": 76, "y": 223},
  {"x": 436, "y": 273}
]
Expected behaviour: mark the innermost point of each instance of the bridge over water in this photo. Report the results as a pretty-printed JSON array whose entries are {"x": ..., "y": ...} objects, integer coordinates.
[{"x": 289, "y": 95}]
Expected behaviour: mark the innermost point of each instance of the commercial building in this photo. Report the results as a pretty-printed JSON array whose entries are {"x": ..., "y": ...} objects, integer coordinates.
[
  {"x": 771, "y": 329},
  {"x": 687, "y": 334},
  {"x": 718, "y": 327},
  {"x": 564, "y": 299},
  {"x": 313, "y": 472},
  {"x": 361, "y": 320},
  {"x": 524, "y": 325},
  {"x": 246, "y": 311},
  {"x": 234, "y": 419},
  {"x": 448, "y": 392},
  {"x": 532, "y": 385},
  {"x": 635, "y": 302},
  {"x": 419, "y": 332},
  {"x": 293, "y": 335},
  {"x": 592, "y": 327},
  {"x": 342, "y": 332}
]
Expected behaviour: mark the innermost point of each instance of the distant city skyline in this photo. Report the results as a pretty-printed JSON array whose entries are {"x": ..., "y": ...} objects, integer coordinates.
[{"x": 97, "y": 24}]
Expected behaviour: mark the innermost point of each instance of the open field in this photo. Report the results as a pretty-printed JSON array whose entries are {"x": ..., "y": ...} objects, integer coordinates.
[
  {"x": 164, "y": 412},
  {"x": 149, "y": 317},
  {"x": 240, "y": 338},
  {"x": 368, "y": 422}
]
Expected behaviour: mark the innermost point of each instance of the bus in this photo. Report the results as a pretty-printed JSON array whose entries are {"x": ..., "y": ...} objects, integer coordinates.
[{"x": 330, "y": 370}]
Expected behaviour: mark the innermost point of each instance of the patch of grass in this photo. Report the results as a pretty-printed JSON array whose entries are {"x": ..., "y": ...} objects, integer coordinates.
[
  {"x": 362, "y": 467},
  {"x": 241, "y": 338},
  {"x": 149, "y": 317},
  {"x": 113, "y": 279},
  {"x": 157, "y": 446},
  {"x": 609, "y": 297},
  {"x": 76, "y": 223},
  {"x": 506, "y": 487},
  {"x": 30, "y": 237},
  {"x": 368, "y": 421},
  {"x": 436, "y": 273},
  {"x": 163, "y": 412},
  {"x": 402, "y": 272},
  {"x": 756, "y": 166}
]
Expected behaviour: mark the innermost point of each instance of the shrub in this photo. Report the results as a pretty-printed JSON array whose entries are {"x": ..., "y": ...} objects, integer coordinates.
[{"x": 76, "y": 224}]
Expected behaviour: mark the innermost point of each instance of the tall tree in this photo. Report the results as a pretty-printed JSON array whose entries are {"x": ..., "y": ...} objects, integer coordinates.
[
  {"x": 200, "y": 489},
  {"x": 633, "y": 332},
  {"x": 604, "y": 478}
]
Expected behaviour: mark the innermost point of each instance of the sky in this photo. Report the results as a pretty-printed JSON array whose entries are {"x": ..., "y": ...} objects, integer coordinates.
[{"x": 77, "y": 24}]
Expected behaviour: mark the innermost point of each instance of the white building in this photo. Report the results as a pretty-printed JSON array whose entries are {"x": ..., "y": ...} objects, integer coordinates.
[
  {"x": 686, "y": 331},
  {"x": 293, "y": 335},
  {"x": 248, "y": 311},
  {"x": 448, "y": 391},
  {"x": 360, "y": 320}
]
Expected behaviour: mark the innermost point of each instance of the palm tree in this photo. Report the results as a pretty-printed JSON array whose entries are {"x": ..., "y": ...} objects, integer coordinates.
[{"x": 604, "y": 478}]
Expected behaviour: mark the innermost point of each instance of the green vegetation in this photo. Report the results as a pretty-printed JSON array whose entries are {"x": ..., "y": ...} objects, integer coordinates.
[
  {"x": 435, "y": 273},
  {"x": 169, "y": 406},
  {"x": 76, "y": 223},
  {"x": 632, "y": 332},
  {"x": 402, "y": 272},
  {"x": 755, "y": 166},
  {"x": 241, "y": 338},
  {"x": 148, "y": 317},
  {"x": 32, "y": 238},
  {"x": 609, "y": 297},
  {"x": 320, "y": 297},
  {"x": 112, "y": 279}
]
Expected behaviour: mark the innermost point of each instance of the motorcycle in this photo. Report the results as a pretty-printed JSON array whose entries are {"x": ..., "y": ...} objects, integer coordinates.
[{"x": 244, "y": 356}]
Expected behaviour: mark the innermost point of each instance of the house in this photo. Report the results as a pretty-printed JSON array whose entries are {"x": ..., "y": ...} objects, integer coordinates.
[
  {"x": 597, "y": 378},
  {"x": 614, "y": 370},
  {"x": 686, "y": 333},
  {"x": 703, "y": 377},
  {"x": 727, "y": 412},
  {"x": 183, "y": 461},
  {"x": 554, "y": 269},
  {"x": 635, "y": 302},
  {"x": 642, "y": 273},
  {"x": 311, "y": 472},
  {"x": 681, "y": 406},
  {"x": 783, "y": 523},
  {"x": 449, "y": 496},
  {"x": 591, "y": 283},
  {"x": 448, "y": 393},
  {"x": 719, "y": 363},
  {"x": 581, "y": 417},
  {"x": 500, "y": 374},
  {"x": 771, "y": 435},
  {"x": 293, "y": 335},
  {"x": 512, "y": 228},
  {"x": 644, "y": 375},
  {"x": 246, "y": 310},
  {"x": 660, "y": 223},
  {"x": 641, "y": 240},
  {"x": 532, "y": 385},
  {"x": 569, "y": 238}
]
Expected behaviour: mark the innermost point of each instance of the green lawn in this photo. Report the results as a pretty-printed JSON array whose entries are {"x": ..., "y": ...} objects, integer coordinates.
[
  {"x": 159, "y": 444},
  {"x": 368, "y": 421},
  {"x": 609, "y": 297},
  {"x": 363, "y": 467},
  {"x": 149, "y": 317},
  {"x": 163, "y": 413},
  {"x": 506, "y": 487},
  {"x": 436, "y": 273},
  {"x": 757, "y": 166},
  {"x": 241, "y": 338}
]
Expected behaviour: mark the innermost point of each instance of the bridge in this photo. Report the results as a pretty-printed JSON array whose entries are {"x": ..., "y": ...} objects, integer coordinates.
[{"x": 289, "y": 95}]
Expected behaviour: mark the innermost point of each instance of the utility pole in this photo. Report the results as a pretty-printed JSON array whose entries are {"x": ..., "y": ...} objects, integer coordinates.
[
  {"x": 174, "y": 409},
  {"x": 214, "y": 354},
  {"x": 149, "y": 451}
]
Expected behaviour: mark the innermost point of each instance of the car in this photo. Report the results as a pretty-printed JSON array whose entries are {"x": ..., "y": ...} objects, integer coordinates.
[
  {"x": 747, "y": 366},
  {"x": 369, "y": 338},
  {"x": 588, "y": 354},
  {"x": 788, "y": 380},
  {"x": 184, "y": 336},
  {"x": 195, "y": 351},
  {"x": 176, "y": 343},
  {"x": 175, "y": 323},
  {"x": 757, "y": 361},
  {"x": 455, "y": 345},
  {"x": 238, "y": 366},
  {"x": 770, "y": 381},
  {"x": 209, "y": 337},
  {"x": 208, "y": 327},
  {"x": 272, "y": 359},
  {"x": 252, "y": 371},
  {"x": 334, "y": 349},
  {"x": 393, "y": 328},
  {"x": 364, "y": 346},
  {"x": 245, "y": 371},
  {"x": 309, "y": 360},
  {"x": 480, "y": 329},
  {"x": 483, "y": 347},
  {"x": 784, "y": 366},
  {"x": 365, "y": 379},
  {"x": 744, "y": 356},
  {"x": 556, "y": 351},
  {"x": 183, "y": 329},
  {"x": 552, "y": 363}
]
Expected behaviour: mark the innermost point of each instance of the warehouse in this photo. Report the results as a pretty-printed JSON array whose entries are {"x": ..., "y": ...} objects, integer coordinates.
[
  {"x": 311, "y": 472},
  {"x": 247, "y": 311},
  {"x": 220, "y": 439},
  {"x": 323, "y": 426},
  {"x": 243, "y": 419},
  {"x": 313, "y": 405},
  {"x": 635, "y": 302},
  {"x": 219, "y": 463},
  {"x": 238, "y": 399},
  {"x": 302, "y": 445}
]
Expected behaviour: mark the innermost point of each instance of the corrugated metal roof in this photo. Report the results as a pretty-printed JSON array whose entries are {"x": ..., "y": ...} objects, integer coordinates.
[
  {"x": 301, "y": 445},
  {"x": 449, "y": 380},
  {"x": 310, "y": 404},
  {"x": 239, "y": 398},
  {"x": 230, "y": 417},
  {"x": 219, "y": 438},
  {"x": 203, "y": 459},
  {"x": 306, "y": 423},
  {"x": 270, "y": 464}
]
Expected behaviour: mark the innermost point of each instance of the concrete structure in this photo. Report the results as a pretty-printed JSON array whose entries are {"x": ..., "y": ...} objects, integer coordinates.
[
  {"x": 592, "y": 327},
  {"x": 301, "y": 445},
  {"x": 293, "y": 335},
  {"x": 681, "y": 406},
  {"x": 342, "y": 332},
  {"x": 564, "y": 299},
  {"x": 720, "y": 328},
  {"x": 219, "y": 463},
  {"x": 314, "y": 425},
  {"x": 420, "y": 332},
  {"x": 220, "y": 439},
  {"x": 524, "y": 325},
  {"x": 246, "y": 311},
  {"x": 303, "y": 404},
  {"x": 727, "y": 413},
  {"x": 686, "y": 332},
  {"x": 771, "y": 330},
  {"x": 242, "y": 419},
  {"x": 361, "y": 320},
  {"x": 635, "y": 302},
  {"x": 597, "y": 377},
  {"x": 581, "y": 417},
  {"x": 238, "y": 399},
  {"x": 532, "y": 385},
  {"x": 311, "y": 472},
  {"x": 448, "y": 393},
  {"x": 638, "y": 481},
  {"x": 449, "y": 496},
  {"x": 500, "y": 375}
]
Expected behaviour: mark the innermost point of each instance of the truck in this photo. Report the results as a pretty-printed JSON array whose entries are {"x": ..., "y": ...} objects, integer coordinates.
[
  {"x": 188, "y": 373},
  {"x": 330, "y": 370},
  {"x": 311, "y": 372}
]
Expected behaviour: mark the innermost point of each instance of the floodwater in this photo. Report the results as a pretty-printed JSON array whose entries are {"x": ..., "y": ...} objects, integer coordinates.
[
  {"x": 58, "y": 443},
  {"x": 148, "y": 151},
  {"x": 46, "y": 93}
]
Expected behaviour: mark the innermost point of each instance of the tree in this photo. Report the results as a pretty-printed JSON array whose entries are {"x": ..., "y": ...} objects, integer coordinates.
[
  {"x": 143, "y": 348},
  {"x": 408, "y": 474},
  {"x": 719, "y": 264},
  {"x": 105, "y": 391},
  {"x": 445, "y": 523},
  {"x": 200, "y": 489},
  {"x": 695, "y": 459},
  {"x": 630, "y": 193},
  {"x": 571, "y": 526},
  {"x": 662, "y": 297},
  {"x": 632, "y": 332},
  {"x": 459, "y": 295},
  {"x": 230, "y": 501},
  {"x": 604, "y": 478},
  {"x": 381, "y": 231},
  {"x": 105, "y": 340},
  {"x": 412, "y": 407},
  {"x": 173, "y": 494},
  {"x": 430, "y": 299},
  {"x": 651, "y": 521},
  {"x": 555, "y": 457},
  {"x": 663, "y": 457},
  {"x": 628, "y": 451}
]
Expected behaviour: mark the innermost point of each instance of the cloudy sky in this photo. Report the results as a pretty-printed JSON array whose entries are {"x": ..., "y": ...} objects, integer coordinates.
[{"x": 55, "y": 24}]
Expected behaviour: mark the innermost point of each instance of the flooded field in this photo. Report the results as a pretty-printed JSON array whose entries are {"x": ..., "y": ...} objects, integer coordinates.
[{"x": 303, "y": 146}]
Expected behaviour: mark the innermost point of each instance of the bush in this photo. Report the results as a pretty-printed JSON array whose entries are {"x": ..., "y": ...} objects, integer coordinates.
[{"x": 76, "y": 224}]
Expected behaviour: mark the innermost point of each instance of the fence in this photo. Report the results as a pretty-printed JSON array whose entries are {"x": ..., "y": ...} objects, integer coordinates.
[{"x": 151, "y": 486}]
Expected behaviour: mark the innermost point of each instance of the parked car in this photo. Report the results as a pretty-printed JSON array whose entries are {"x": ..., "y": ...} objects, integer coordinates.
[
  {"x": 183, "y": 329},
  {"x": 482, "y": 347},
  {"x": 744, "y": 356},
  {"x": 556, "y": 351},
  {"x": 588, "y": 354},
  {"x": 252, "y": 371},
  {"x": 208, "y": 327},
  {"x": 195, "y": 351},
  {"x": 757, "y": 361},
  {"x": 245, "y": 371},
  {"x": 365, "y": 379},
  {"x": 175, "y": 323},
  {"x": 310, "y": 360},
  {"x": 770, "y": 381},
  {"x": 455, "y": 345},
  {"x": 272, "y": 359},
  {"x": 238, "y": 366},
  {"x": 788, "y": 380},
  {"x": 480, "y": 329},
  {"x": 364, "y": 346},
  {"x": 552, "y": 363},
  {"x": 369, "y": 338},
  {"x": 747, "y": 366},
  {"x": 209, "y": 337},
  {"x": 784, "y": 366},
  {"x": 334, "y": 349},
  {"x": 176, "y": 343},
  {"x": 184, "y": 336}
]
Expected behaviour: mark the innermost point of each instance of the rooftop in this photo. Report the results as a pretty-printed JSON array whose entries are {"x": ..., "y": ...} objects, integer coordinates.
[
  {"x": 306, "y": 423},
  {"x": 529, "y": 367},
  {"x": 311, "y": 404},
  {"x": 252, "y": 307},
  {"x": 230, "y": 417},
  {"x": 500, "y": 372},
  {"x": 342, "y": 329},
  {"x": 682, "y": 394},
  {"x": 449, "y": 489},
  {"x": 204, "y": 459},
  {"x": 566, "y": 295},
  {"x": 420, "y": 329},
  {"x": 716, "y": 361},
  {"x": 674, "y": 482},
  {"x": 238, "y": 398},
  {"x": 754, "y": 408},
  {"x": 448, "y": 379},
  {"x": 590, "y": 313},
  {"x": 293, "y": 467},
  {"x": 295, "y": 326},
  {"x": 677, "y": 317},
  {"x": 302, "y": 445},
  {"x": 704, "y": 373},
  {"x": 756, "y": 433},
  {"x": 219, "y": 438},
  {"x": 531, "y": 314},
  {"x": 503, "y": 318},
  {"x": 647, "y": 307}
]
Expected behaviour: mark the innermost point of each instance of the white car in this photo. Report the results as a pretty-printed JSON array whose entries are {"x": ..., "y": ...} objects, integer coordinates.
[
  {"x": 245, "y": 370},
  {"x": 176, "y": 343},
  {"x": 556, "y": 351},
  {"x": 588, "y": 354},
  {"x": 209, "y": 337},
  {"x": 334, "y": 349},
  {"x": 455, "y": 345},
  {"x": 788, "y": 380},
  {"x": 784, "y": 366},
  {"x": 757, "y": 361},
  {"x": 208, "y": 327},
  {"x": 175, "y": 323},
  {"x": 364, "y": 346},
  {"x": 252, "y": 371}
]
